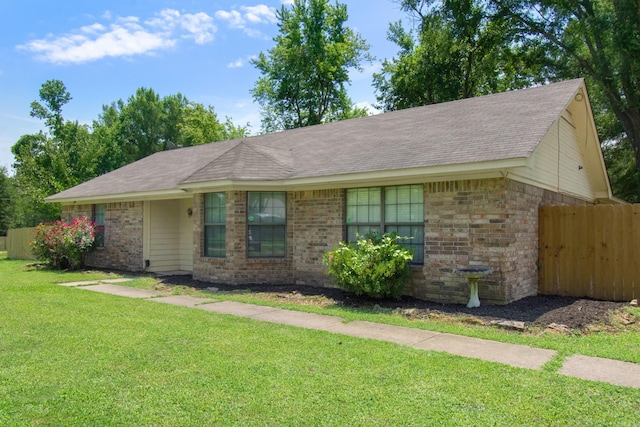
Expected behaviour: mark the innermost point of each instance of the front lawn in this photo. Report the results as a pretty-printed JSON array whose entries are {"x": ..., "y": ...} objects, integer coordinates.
[
  {"x": 618, "y": 339},
  {"x": 74, "y": 357}
]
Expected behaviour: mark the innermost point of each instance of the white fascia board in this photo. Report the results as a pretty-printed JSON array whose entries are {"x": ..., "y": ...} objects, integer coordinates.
[
  {"x": 123, "y": 197},
  {"x": 493, "y": 169}
]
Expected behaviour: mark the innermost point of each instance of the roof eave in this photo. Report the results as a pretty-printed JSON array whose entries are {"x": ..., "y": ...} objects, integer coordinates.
[
  {"x": 121, "y": 197},
  {"x": 461, "y": 171}
]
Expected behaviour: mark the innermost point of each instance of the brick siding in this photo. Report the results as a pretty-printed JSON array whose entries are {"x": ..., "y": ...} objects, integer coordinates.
[
  {"x": 491, "y": 222},
  {"x": 314, "y": 224},
  {"x": 123, "y": 234},
  {"x": 318, "y": 225}
]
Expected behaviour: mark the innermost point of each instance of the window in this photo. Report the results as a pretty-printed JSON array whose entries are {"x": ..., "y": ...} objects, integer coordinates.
[
  {"x": 398, "y": 209},
  {"x": 98, "y": 220},
  {"x": 266, "y": 224},
  {"x": 215, "y": 225}
]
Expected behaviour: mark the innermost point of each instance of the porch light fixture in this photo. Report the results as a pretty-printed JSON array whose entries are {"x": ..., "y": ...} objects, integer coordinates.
[{"x": 189, "y": 212}]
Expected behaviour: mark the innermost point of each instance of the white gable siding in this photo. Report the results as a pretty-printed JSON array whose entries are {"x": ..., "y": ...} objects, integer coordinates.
[
  {"x": 574, "y": 176},
  {"x": 558, "y": 162}
]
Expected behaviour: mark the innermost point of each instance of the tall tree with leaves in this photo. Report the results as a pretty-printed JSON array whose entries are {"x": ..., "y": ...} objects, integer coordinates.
[
  {"x": 147, "y": 123},
  {"x": 200, "y": 125},
  {"x": 304, "y": 76},
  {"x": 54, "y": 95},
  {"x": 459, "y": 51},
  {"x": 7, "y": 201},
  {"x": 600, "y": 39},
  {"x": 46, "y": 163}
]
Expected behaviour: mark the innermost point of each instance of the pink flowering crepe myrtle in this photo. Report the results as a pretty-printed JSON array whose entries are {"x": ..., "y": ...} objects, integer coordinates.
[{"x": 64, "y": 245}]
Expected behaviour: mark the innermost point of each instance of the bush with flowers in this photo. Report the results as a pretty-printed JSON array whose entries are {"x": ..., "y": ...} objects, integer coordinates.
[
  {"x": 62, "y": 245},
  {"x": 375, "y": 266}
]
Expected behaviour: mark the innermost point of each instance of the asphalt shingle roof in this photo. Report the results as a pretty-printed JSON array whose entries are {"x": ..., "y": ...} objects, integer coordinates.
[{"x": 494, "y": 127}]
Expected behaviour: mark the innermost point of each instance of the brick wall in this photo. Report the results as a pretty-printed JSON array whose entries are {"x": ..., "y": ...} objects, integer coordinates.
[
  {"x": 236, "y": 268},
  {"x": 490, "y": 222},
  {"x": 315, "y": 223},
  {"x": 123, "y": 235},
  {"x": 318, "y": 225},
  {"x": 464, "y": 224}
]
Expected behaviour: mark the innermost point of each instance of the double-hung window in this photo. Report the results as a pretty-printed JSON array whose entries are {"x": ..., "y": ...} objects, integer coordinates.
[
  {"x": 98, "y": 220},
  {"x": 398, "y": 209},
  {"x": 215, "y": 225},
  {"x": 266, "y": 224}
]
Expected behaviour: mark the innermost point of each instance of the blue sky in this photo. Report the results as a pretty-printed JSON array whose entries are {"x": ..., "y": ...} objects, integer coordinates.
[{"x": 104, "y": 50}]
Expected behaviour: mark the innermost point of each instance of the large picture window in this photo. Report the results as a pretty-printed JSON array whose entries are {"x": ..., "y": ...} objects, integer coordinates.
[
  {"x": 398, "y": 209},
  {"x": 266, "y": 224},
  {"x": 98, "y": 220},
  {"x": 215, "y": 225}
]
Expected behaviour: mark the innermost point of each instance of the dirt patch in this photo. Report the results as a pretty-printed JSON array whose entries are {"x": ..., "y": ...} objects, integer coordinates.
[{"x": 558, "y": 314}]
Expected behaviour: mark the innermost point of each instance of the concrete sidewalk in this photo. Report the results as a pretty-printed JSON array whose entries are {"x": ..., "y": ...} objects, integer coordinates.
[{"x": 589, "y": 368}]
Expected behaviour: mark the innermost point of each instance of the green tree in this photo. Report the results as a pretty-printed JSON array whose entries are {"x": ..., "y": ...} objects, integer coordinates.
[
  {"x": 200, "y": 125},
  {"x": 147, "y": 123},
  {"x": 37, "y": 162},
  {"x": 458, "y": 52},
  {"x": 107, "y": 130},
  {"x": 54, "y": 95},
  {"x": 46, "y": 163},
  {"x": 468, "y": 48},
  {"x": 304, "y": 76},
  {"x": 7, "y": 201},
  {"x": 69, "y": 153},
  {"x": 600, "y": 40}
]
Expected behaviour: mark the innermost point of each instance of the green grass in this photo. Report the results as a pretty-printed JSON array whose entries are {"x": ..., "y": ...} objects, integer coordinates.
[
  {"x": 73, "y": 357},
  {"x": 621, "y": 345}
]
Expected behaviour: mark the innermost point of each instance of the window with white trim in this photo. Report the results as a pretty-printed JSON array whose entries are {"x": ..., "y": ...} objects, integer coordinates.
[{"x": 398, "y": 209}]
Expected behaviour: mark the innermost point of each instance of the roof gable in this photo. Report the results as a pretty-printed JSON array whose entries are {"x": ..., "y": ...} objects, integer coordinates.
[{"x": 247, "y": 161}]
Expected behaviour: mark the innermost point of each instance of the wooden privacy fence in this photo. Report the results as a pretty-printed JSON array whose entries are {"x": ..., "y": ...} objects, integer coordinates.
[
  {"x": 590, "y": 251},
  {"x": 18, "y": 243},
  {"x": 3, "y": 243}
]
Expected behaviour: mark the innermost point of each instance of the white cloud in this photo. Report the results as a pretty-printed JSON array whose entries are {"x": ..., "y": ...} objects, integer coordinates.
[
  {"x": 260, "y": 14},
  {"x": 199, "y": 26},
  {"x": 371, "y": 109},
  {"x": 233, "y": 18},
  {"x": 238, "y": 63},
  {"x": 254, "y": 33},
  {"x": 124, "y": 37},
  {"x": 246, "y": 16},
  {"x": 241, "y": 62},
  {"x": 93, "y": 29}
]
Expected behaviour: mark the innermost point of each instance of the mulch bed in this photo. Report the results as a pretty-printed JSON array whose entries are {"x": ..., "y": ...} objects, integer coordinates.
[{"x": 541, "y": 310}]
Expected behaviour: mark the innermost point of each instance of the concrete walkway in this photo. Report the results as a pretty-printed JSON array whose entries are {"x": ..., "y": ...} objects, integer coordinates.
[{"x": 589, "y": 368}]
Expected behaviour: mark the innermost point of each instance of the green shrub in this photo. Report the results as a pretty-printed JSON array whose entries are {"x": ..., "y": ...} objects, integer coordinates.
[
  {"x": 375, "y": 266},
  {"x": 62, "y": 245}
]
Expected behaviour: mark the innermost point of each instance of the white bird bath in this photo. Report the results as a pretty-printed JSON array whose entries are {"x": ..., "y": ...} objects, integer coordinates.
[{"x": 473, "y": 274}]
